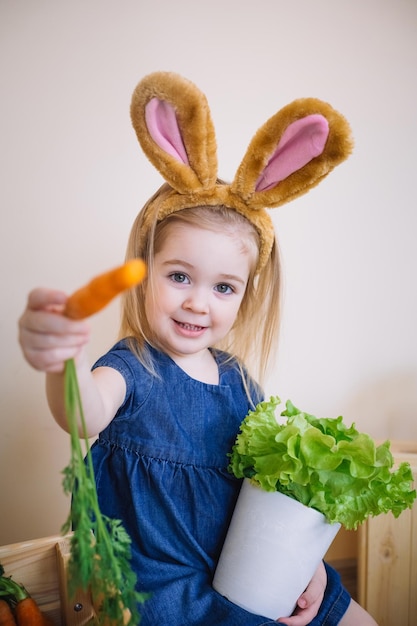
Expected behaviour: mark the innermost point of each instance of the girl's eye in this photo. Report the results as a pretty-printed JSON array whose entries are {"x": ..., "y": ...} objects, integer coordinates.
[
  {"x": 223, "y": 288},
  {"x": 178, "y": 277}
]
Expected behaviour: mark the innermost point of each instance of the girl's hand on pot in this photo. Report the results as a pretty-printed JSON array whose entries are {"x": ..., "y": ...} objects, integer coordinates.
[{"x": 308, "y": 604}]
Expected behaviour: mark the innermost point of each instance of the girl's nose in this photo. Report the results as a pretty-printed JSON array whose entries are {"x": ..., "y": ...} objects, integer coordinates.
[{"x": 196, "y": 301}]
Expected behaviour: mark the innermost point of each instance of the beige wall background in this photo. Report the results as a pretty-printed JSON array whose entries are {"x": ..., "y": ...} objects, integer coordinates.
[{"x": 73, "y": 179}]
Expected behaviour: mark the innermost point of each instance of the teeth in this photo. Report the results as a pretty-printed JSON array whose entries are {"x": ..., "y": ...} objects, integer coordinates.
[{"x": 190, "y": 326}]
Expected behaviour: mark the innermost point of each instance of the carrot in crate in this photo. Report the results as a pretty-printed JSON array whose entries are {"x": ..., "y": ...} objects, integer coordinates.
[
  {"x": 26, "y": 609},
  {"x": 28, "y": 613},
  {"x": 6, "y": 615}
]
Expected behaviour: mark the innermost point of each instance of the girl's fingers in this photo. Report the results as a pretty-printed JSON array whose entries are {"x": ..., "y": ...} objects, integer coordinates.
[
  {"x": 48, "y": 353},
  {"x": 309, "y": 602},
  {"x": 46, "y": 336},
  {"x": 51, "y": 361},
  {"x": 315, "y": 590},
  {"x": 302, "y": 616},
  {"x": 51, "y": 323},
  {"x": 45, "y": 298},
  {"x": 43, "y": 314}
]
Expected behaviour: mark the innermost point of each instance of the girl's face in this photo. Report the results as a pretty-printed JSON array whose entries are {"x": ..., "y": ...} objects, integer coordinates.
[{"x": 199, "y": 278}]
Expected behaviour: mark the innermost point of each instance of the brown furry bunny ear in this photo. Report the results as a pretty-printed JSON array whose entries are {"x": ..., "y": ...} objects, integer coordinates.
[
  {"x": 173, "y": 124},
  {"x": 291, "y": 153}
]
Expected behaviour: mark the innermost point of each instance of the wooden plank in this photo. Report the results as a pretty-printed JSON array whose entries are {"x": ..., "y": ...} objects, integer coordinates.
[
  {"x": 388, "y": 569},
  {"x": 78, "y": 611},
  {"x": 34, "y": 565},
  {"x": 363, "y": 543},
  {"x": 387, "y": 563}
]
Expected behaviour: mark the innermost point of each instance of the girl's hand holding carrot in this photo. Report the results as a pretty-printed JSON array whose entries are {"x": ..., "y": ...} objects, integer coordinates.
[
  {"x": 47, "y": 337},
  {"x": 51, "y": 327}
]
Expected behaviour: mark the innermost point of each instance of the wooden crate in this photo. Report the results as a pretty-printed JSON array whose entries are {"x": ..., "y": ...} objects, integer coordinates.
[
  {"x": 40, "y": 566},
  {"x": 387, "y": 559}
]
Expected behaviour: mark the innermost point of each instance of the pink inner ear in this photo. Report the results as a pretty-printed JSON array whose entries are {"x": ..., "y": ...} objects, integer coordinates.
[
  {"x": 162, "y": 124},
  {"x": 300, "y": 143}
]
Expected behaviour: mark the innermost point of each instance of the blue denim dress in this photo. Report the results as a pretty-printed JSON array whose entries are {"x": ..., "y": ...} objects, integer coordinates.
[{"x": 161, "y": 467}]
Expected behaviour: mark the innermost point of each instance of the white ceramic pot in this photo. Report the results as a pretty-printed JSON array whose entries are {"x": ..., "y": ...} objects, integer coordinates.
[{"x": 273, "y": 547}]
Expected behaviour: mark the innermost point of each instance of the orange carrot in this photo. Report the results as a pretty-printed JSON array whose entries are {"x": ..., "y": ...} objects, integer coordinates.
[
  {"x": 28, "y": 613},
  {"x": 6, "y": 615},
  {"x": 26, "y": 610},
  {"x": 98, "y": 293}
]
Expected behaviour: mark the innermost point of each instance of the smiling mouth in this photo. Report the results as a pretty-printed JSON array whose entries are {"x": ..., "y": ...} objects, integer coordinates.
[{"x": 190, "y": 327}]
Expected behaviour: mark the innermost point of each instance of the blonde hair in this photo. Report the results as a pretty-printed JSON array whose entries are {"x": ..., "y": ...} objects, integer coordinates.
[{"x": 253, "y": 338}]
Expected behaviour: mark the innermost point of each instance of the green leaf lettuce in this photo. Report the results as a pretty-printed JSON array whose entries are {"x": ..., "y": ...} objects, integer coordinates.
[{"x": 322, "y": 463}]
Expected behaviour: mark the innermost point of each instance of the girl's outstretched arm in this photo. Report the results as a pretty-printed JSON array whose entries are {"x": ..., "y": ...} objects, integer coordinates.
[{"x": 48, "y": 339}]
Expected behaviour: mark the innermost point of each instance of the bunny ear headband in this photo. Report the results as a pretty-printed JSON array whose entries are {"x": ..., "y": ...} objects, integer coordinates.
[{"x": 289, "y": 154}]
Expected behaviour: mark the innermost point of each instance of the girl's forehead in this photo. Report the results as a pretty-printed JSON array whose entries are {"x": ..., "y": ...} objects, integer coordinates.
[
  {"x": 189, "y": 236},
  {"x": 197, "y": 246}
]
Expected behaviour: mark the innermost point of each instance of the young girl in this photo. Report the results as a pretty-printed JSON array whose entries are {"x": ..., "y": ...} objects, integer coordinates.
[{"x": 168, "y": 399}]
